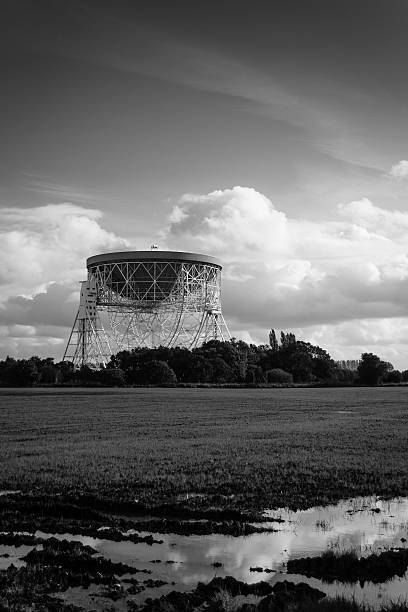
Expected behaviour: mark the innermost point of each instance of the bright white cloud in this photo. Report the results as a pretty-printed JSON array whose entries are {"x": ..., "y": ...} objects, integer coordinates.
[
  {"x": 291, "y": 273},
  {"x": 372, "y": 221},
  {"x": 43, "y": 251},
  {"x": 399, "y": 170},
  {"x": 48, "y": 244}
]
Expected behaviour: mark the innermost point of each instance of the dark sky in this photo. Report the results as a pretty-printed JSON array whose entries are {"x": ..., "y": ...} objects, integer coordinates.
[
  {"x": 124, "y": 107},
  {"x": 137, "y": 102}
]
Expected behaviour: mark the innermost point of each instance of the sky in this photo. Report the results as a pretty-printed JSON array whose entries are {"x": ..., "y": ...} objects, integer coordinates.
[{"x": 272, "y": 134}]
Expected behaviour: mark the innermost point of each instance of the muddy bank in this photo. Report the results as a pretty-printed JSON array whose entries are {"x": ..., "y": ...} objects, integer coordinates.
[
  {"x": 59, "y": 514},
  {"x": 22, "y": 539},
  {"x": 55, "y": 568},
  {"x": 220, "y": 592}
]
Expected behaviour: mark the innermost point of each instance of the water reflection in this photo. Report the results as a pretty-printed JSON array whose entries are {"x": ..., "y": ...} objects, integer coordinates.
[
  {"x": 364, "y": 524},
  {"x": 12, "y": 555}
]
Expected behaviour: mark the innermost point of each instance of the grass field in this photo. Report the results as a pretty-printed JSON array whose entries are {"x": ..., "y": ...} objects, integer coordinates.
[{"x": 238, "y": 448}]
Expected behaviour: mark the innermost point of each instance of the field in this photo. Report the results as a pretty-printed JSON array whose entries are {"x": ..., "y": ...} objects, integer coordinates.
[
  {"x": 232, "y": 449},
  {"x": 137, "y": 464}
]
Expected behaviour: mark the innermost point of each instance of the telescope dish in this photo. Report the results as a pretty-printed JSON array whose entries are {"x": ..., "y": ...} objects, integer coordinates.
[{"x": 146, "y": 298}]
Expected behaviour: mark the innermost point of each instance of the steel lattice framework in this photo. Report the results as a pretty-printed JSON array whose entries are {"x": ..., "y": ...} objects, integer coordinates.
[{"x": 146, "y": 298}]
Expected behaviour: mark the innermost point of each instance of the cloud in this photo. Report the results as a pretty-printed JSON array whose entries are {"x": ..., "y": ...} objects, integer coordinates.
[
  {"x": 43, "y": 252},
  {"x": 18, "y": 345},
  {"x": 340, "y": 283},
  {"x": 47, "y": 244},
  {"x": 56, "y": 191},
  {"x": 385, "y": 337},
  {"x": 293, "y": 273},
  {"x": 55, "y": 307},
  {"x": 400, "y": 170}
]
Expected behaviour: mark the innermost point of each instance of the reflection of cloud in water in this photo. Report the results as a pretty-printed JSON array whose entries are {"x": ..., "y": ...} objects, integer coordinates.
[
  {"x": 15, "y": 554},
  {"x": 193, "y": 579},
  {"x": 266, "y": 550}
]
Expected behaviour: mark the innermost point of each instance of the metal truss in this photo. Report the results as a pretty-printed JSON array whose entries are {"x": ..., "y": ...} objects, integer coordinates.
[
  {"x": 88, "y": 343},
  {"x": 152, "y": 303}
]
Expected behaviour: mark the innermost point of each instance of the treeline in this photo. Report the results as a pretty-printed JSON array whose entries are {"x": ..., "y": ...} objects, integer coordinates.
[{"x": 284, "y": 362}]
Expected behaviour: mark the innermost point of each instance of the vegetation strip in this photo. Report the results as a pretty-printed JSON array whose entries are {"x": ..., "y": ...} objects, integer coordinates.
[
  {"x": 337, "y": 604},
  {"x": 215, "y": 362},
  {"x": 60, "y": 515},
  {"x": 348, "y": 567},
  {"x": 210, "y": 596}
]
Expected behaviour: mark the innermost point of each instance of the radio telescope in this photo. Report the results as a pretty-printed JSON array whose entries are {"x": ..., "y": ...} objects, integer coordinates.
[{"x": 146, "y": 298}]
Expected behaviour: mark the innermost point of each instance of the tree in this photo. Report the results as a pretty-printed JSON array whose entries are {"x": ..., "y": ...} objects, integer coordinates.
[
  {"x": 273, "y": 341},
  {"x": 112, "y": 377},
  {"x": 222, "y": 354},
  {"x": 48, "y": 374},
  {"x": 372, "y": 369},
  {"x": 394, "y": 376},
  {"x": 199, "y": 369},
  {"x": 20, "y": 373},
  {"x": 323, "y": 369},
  {"x": 346, "y": 376},
  {"x": 86, "y": 375},
  {"x": 65, "y": 371},
  {"x": 305, "y": 361},
  {"x": 296, "y": 358},
  {"x": 156, "y": 372},
  {"x": 181, "y": 362},
  {"x": 255, "y": 374},
  {"x": 287, "y": 339},
  {"x": 222, "y": 372}
]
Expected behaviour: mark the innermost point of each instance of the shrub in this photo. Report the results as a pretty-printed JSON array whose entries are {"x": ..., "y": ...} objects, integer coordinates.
[
  {"x": 276, "y": 375},
  {"x": 156, "y": 372},
  {"x": 113, "y": 377}
]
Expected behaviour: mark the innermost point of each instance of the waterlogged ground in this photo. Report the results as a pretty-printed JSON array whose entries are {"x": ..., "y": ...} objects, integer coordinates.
[
  {"x": 365, "y": 525},
  {"x": 216, "y": 456}
]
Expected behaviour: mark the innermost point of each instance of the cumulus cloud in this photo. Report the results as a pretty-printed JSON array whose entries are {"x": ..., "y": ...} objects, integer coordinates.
[
  {"x": 43, "y": 251},
  {"x": 53, "y": 307},
  {"x": 293, "y": 273},
  {"x": 340, "y": 283},
  {"x": 400, "y": 170},
  {"x": 49, "y": 243}
]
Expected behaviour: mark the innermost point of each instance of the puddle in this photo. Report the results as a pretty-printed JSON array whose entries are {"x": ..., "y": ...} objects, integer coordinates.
[
  {"x": 366, "y": 525},
  {"x": 11, "y": 555}
]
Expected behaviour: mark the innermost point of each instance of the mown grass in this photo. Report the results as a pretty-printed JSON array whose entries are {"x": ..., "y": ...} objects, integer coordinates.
[{"x": 240, "y": 448}]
